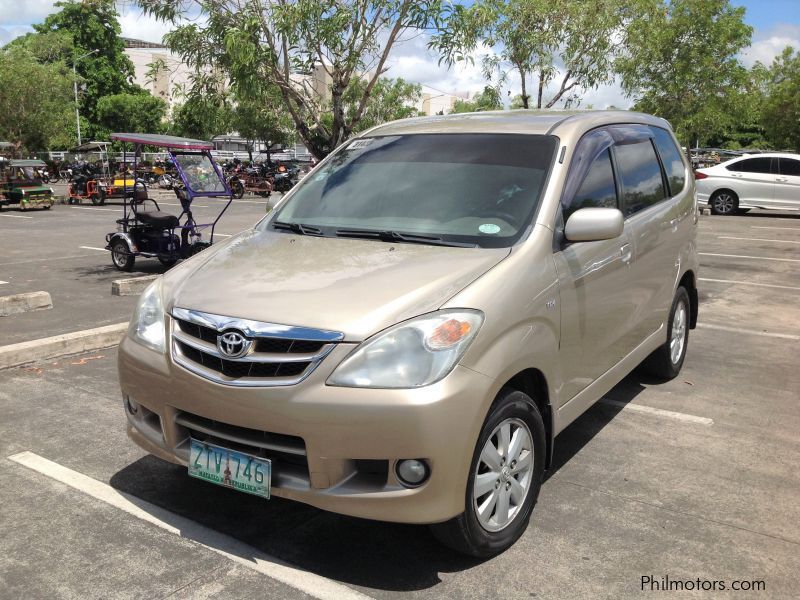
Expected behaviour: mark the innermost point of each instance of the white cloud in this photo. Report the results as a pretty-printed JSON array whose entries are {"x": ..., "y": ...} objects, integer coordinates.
[
  {"x": 770, "y": 43},
  {"x": 25, "y": 12},
  {"x": 138, "y": 26}
]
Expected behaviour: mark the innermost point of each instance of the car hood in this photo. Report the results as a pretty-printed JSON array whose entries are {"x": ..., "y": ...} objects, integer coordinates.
[{"x": 356, "y": 287}]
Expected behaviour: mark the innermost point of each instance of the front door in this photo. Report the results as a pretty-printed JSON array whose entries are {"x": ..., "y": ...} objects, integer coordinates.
[{"x": 594, "y": 279}]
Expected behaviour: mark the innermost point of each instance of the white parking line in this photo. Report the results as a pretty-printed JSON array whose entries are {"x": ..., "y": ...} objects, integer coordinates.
[
  {"x": 16, "y": 216},
  {"x": 29, "y": 260},
  {"x": 749, "y": 257},
  {"x": 730, "y": 237},
  {"x": 781, "y": 228},
  {"x": 231, "y": 548},
  {"x": 3, "y": 282},
  {"x": 769, "y": 285},
  {"x": 93, "y": 248},
  {"x": 93, "y": 208},
  {"x": 678, "y": 416},
  {"x": 783, "y": 336}
]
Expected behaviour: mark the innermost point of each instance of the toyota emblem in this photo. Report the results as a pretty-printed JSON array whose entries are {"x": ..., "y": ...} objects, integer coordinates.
[{"x": 233, "y": 344}]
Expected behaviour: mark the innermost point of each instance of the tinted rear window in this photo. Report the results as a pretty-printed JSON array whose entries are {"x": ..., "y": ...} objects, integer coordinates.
[
  {"x": 640, "y": 174},
  {"x": 790, "y": 166},
  {"x": 671, "y": 158},
  {"x": 751, "y": 165}
]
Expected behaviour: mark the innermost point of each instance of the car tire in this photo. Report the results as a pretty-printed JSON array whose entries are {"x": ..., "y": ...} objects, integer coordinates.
[
  {"x": 666, "y": 362},
  {"x": 724, "y": 202},
  {"x": 167, "y": 262},
  {"x": 121, "y": 256},
  {"x": 484, "y": 533}
]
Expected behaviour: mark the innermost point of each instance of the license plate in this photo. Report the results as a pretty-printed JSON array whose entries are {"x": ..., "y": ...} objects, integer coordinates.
[{"x": 230, "y": 468}]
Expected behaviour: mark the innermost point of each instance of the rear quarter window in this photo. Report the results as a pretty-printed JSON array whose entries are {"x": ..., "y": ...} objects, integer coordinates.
[{"x": 671, "y": 159}]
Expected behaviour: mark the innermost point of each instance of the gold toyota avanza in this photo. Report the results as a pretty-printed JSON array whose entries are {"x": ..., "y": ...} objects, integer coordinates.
[{"x": 406, "y": 334}]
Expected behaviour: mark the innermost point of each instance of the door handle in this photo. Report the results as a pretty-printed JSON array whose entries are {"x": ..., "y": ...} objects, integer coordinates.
[
  {"x": 625, "y": 253},
  {"x": 781, "y": 179}
]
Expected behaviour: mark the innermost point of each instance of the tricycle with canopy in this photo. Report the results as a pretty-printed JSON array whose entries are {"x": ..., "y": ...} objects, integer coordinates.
[
  {"x": 144, "y": 229},
  {"x": 93, "y": 181}
]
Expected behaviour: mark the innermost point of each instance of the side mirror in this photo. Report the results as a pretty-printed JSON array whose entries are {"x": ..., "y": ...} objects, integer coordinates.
[{"x": 593, "y": 224}]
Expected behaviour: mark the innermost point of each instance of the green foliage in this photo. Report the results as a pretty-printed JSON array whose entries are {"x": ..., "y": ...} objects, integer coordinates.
[
  {"x": 681, "y": 64},
  {"x": 488, "y": 99},
  {"x": 312, "y": 52},
  {"x": 528, "y": 36},
  {"x": 139, "y": 113},
  {"x": 781, "y": 109},
  {"x": 391, "y": 99},
  {"x": 93, "y": 25},
  {"x": 198, "y": 120},
  {"x": 35, "y": 101}
]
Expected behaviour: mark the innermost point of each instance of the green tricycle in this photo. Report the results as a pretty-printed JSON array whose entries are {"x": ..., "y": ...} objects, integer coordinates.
[{"x": 21, "y": 183}]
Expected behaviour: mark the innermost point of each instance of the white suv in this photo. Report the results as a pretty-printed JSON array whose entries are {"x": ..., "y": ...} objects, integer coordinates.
[{"x": 757, "y": 181}]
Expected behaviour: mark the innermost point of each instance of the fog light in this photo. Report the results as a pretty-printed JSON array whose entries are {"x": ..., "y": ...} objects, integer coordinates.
[
  {"x": 412, "y": 472},
  {"x": 131, "y": 405}
]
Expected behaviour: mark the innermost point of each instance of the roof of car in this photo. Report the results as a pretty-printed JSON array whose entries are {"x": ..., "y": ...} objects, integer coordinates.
[
  {"x": 767, "y": 155},
  {"x": 515, "y": 121}
]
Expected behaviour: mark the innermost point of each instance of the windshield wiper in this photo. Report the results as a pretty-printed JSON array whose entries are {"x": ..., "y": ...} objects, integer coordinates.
[
  {"x": 298, "y": 228},
  {"x": 396, "y": 236}
]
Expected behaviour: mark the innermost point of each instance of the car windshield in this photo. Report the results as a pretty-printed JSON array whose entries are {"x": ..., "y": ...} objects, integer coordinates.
[
  {"x": 474, "y": 189},
  {"x": 200, "y": 173}
]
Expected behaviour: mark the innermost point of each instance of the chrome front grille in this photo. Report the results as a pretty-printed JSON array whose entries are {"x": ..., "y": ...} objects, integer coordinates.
[{"x": 278, "y": 355}]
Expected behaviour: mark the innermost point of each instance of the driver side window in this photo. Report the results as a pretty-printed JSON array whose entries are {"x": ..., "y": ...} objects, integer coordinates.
[{"x": 598, "y": 188}]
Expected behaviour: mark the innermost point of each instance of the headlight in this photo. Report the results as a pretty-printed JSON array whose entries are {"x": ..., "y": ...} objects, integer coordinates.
[
  {"x": 147, "y": 325},
  {"x": 412, "y": 354}
]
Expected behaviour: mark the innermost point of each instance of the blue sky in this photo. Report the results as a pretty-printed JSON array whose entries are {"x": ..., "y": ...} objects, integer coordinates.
[{"x": 776, "y": 24}]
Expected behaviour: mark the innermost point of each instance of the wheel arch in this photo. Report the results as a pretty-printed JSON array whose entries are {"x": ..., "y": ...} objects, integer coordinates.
[
  {"x": 689, "y": 282},
  {"x": 533, "y": 383},
  {"x": 723, "y": 189}
]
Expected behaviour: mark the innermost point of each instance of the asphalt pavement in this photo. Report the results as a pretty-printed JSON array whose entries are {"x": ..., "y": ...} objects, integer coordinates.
[{"x": 695, "y": 479}]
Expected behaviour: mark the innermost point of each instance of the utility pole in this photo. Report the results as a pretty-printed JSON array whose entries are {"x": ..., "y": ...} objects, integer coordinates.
[{"x": 75, "y": 87}]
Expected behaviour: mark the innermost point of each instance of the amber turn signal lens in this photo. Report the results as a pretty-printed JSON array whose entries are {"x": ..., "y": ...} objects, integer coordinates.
[{"x": 448, "y": 334}]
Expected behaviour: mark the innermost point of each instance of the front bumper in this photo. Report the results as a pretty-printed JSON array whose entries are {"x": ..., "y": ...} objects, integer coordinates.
[{"x": 351, "y": 438}]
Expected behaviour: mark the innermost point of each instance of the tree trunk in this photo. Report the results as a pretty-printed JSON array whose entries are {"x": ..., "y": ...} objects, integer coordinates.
[
  {"x": 541, "y": 90},
  {"x": 524, "y": 91}
]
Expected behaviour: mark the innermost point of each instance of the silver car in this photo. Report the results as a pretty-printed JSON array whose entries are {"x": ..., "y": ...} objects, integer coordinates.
[{"x": 758, "y": 181}]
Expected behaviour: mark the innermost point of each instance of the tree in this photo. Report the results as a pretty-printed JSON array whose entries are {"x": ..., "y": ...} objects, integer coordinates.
[
  {"x": 528, "y": 36},
  {"x": 93, "y": 25},
  {"x": 139, "y": 113},
  {"x": 36, "y": 101},
  {"x": 391, "y": 99},
  {"x": 781, "y": 109},
  {"x": 681, "y": 64},
  {"x": 312, "y": 51},
  {"x": 488, "y": 99}
]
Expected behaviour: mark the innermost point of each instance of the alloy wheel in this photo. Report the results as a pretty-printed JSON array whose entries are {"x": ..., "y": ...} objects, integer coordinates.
[
  {"x": 724, "y": 203},
  {"x": 503, "y": 475},
  {"x": 678, "y": 335}
]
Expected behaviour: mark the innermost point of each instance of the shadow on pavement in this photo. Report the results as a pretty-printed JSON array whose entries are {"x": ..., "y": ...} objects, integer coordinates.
[{"x": 385, "y": 556}]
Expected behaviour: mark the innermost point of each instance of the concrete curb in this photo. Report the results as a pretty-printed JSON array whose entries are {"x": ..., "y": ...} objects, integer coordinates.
[
  {"x": 22, "y": 303},
  {"x": 131, "y": 287},
  {"x": 76, "y": 342}
]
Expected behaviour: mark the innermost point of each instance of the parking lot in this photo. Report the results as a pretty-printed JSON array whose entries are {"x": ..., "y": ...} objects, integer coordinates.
[{"x": 694, "y": 479}]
